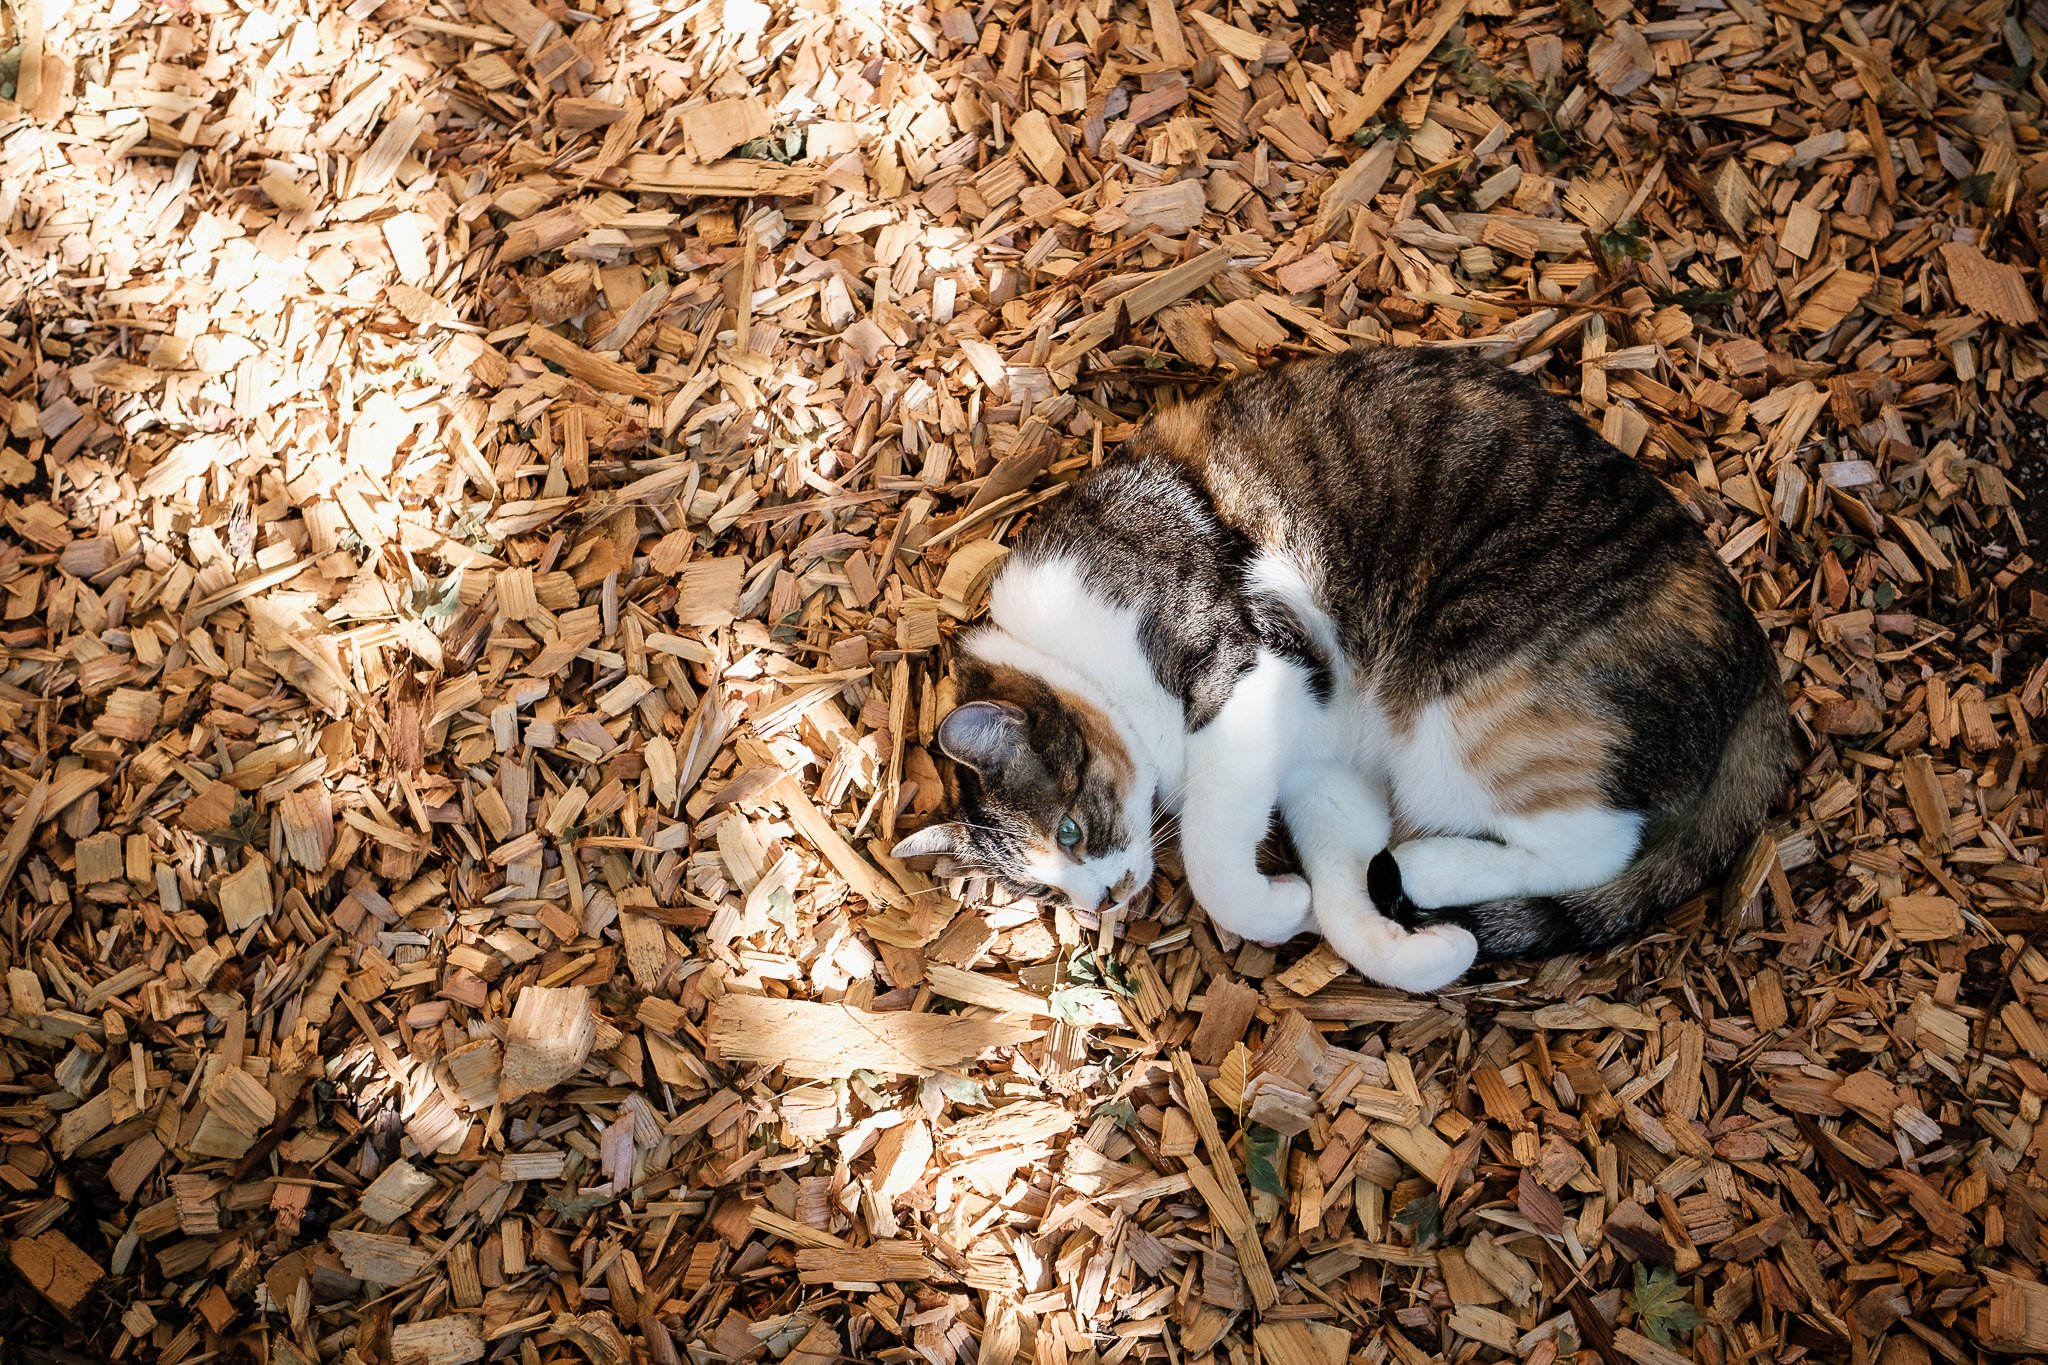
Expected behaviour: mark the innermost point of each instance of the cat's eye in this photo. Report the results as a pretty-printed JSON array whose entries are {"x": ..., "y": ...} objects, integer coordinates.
[{"x": 1069, "y": 833}]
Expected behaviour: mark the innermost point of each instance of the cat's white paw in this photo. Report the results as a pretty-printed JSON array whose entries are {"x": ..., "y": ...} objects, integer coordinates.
[
  {"x": 1422, "y": 961},
  {"x": 1262, "y": 909},
  {"x": 1438, "y": 872},
  {"x": 1419, "y": 961},
  {"x": 1288, "y": 911}
]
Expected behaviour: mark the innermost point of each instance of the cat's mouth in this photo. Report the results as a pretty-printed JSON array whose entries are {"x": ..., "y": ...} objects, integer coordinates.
[
  {"x": 1127, "y": 892},
  {"x": 1121, "y": 894}
]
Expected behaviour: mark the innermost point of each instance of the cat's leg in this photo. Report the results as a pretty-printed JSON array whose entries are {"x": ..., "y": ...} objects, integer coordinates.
[
  {"x": 1235, "y": 765},
  {"x": 1338, "y": 821},
  {"x": 1549, "y": 854}
]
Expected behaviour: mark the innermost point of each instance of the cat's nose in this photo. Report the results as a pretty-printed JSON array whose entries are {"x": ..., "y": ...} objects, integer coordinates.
[{"x": 1118, "y": 894}]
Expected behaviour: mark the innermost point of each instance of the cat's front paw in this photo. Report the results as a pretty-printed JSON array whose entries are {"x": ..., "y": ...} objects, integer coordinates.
[
  {"x": 1431, "y": 874},
  {"x": 1419, "y": 961},
  {"x": 1262, "y": 909},
  {"x": 1288, "y": 911},
  {"x": 1423, "y": 961}
]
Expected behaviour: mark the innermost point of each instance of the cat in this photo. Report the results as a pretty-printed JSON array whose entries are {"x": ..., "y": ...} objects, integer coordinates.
[{"x": 1502, "y": 694}]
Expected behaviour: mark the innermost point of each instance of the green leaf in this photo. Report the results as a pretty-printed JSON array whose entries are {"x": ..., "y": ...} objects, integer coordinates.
[
  {"x": 1582, "y": 19},
  {"x": 1540, "y": 101},
  {"x": 785, "y": 147},
  {"x": 1697, "y": 300},
  {"x": 1085, "y": 1007},
  {"x": 958, "y": 1089},
  {"x": 1381, "y": 131},
  {"x": 429, "y": 599},
  {"x": 1626, "y": 239},
  {"x": 246, "y": 825},
  {"x": 1424, "y": 1219},
  {"x": 576, "y": 1208},
  {"x": 1662, "y": 1305},
  {"x": 1086, "y": 969},
  {"x": 472, "y": 527},
  {"x": 1262, "y": 1161},
  {"x": 1123, "y": 1111}
]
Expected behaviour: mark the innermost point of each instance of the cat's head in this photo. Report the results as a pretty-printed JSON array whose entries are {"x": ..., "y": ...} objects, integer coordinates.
[{"x": 1041, "y": 791}]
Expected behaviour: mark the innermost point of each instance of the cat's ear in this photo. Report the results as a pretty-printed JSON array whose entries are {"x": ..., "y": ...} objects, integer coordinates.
[
  {"x": 933, "y": 841},
  {"x": 983, "y": 735}
]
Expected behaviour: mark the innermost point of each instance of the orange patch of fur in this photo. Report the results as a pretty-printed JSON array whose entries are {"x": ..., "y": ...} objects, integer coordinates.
[
  {"x": 1181, "y": 432},
  {"x": 1103, "y": 740},
  {"x": 1186, "y": 434},
  {"x": 1533, "y": 753}
]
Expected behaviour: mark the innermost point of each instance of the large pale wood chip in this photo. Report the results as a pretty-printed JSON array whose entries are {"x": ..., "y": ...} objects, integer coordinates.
[
  {"x": 713, "y": 129},
  {"x": 524, "y": 21},
  {"x": 1225, "y": 1017},
  {"x": 2014, "y": 1319},
  {"x": 1924, "y": 919},
  {"x": 1355, "y": 184},
  {"x": 454, "y": 1340},
  {"x": 594, "y": 369},
  {"x": 549, "y": 1037},
  {"x": 1155, "y": 292},
  {"x": 1040, "y": 145},
  {"x": 1997, "y": 289},
  {"x": 393, "y": 1193},
  {"x": 1644, "y": 1351},
  {"x": 1385, "y": 81},
  {"x": 877, "y": 1263},
  {"x": 977, "y": 988},
  {"x": 821, "y": 1041},
  {"x": 1013, "y": 1125},
  {"x": 1243, "y": 45},
  {"x": 1218, "y": 1185},
  {"x": 381, "y": 1259},
  {"x": 731, "y": 179},
  {"x": 846, "y": 860}
]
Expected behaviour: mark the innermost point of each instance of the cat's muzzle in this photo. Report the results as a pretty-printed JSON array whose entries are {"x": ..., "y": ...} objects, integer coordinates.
[{"x": 1123, "y": 892}]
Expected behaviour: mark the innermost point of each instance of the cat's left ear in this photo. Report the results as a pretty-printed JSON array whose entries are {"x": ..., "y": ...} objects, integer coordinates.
[
  {"x": 933, "y": 841},
  {"x": 984, "y": 735}
]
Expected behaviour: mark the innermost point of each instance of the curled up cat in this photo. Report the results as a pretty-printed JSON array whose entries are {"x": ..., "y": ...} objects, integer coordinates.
[{"x": 1503, "y": 696}]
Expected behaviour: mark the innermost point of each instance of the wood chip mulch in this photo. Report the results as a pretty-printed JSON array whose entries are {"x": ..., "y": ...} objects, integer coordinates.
[{"x": 484, "y": 495}]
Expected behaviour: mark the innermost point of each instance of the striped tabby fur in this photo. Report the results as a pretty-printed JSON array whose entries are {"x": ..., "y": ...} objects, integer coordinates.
[{"x": 1502, "y": 694}]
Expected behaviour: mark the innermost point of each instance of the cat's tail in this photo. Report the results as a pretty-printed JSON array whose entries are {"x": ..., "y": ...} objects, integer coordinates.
[{"x": 1685, "y": 848}]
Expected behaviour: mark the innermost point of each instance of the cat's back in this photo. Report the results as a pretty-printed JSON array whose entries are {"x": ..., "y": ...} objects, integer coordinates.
[
  {"x": 1452, "y": 512},
  {"x": 1402, "y": 445}
]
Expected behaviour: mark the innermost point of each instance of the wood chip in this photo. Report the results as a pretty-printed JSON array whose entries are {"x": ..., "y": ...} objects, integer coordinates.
[
  {"x": 812, "y": 1040},
  {"x": 549, "y": 1037},
  {"x": 1997, "y": 289}
]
